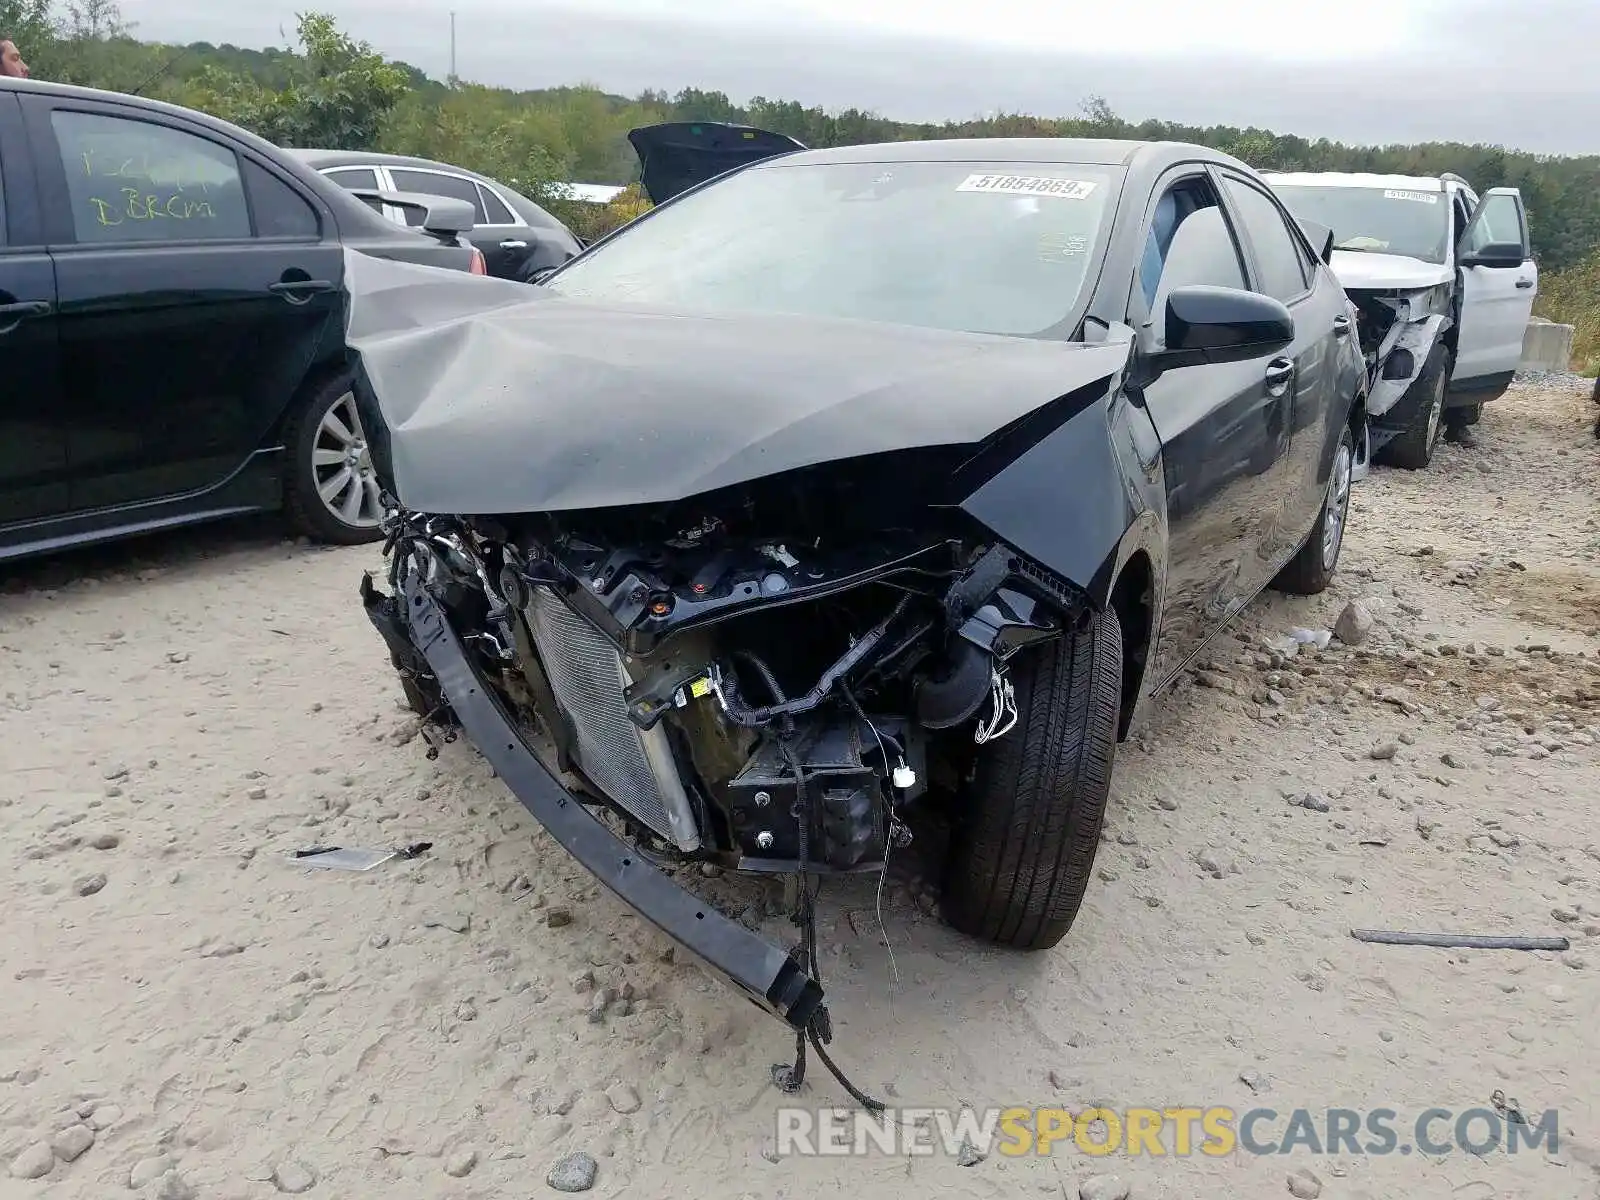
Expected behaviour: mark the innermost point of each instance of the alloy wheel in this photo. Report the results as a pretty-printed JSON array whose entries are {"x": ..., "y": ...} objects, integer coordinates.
[
  {"x": 341, "y": 465},
  {"x": 1337, "y": 507}
]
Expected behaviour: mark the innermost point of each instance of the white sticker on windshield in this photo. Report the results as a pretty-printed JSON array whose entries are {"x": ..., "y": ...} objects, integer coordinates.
[
  {"x": 1028, "y": 185},
  {"x": 1418, "y": 197}
]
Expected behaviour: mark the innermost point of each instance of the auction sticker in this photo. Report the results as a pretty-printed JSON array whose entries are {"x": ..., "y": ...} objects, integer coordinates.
[
  {"x": 1028, "y": 185},
  {"x": 1416, "y": 197}
]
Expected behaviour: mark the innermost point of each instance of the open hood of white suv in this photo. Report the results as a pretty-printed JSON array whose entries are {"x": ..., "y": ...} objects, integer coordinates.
[{"x": 1376, "y": 272}]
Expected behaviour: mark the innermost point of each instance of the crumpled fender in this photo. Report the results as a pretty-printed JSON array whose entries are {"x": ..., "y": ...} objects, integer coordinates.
[{"x": 1415, "y": 336}]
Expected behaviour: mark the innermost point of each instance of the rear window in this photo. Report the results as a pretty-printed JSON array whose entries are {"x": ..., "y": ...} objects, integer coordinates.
[{"x": 1001, "y": 248}]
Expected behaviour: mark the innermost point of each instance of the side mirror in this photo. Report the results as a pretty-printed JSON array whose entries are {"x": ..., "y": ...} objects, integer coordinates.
[
  {"x": 1321, "y": 239},
  {"x": 1495, "y": 254},
  {"x": 1222, "y": 324}
]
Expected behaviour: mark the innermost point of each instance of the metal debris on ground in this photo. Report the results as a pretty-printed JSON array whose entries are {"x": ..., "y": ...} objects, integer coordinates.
[
  {"x": 340, "y": 858},
  {"x": 1461, "y": 941}
]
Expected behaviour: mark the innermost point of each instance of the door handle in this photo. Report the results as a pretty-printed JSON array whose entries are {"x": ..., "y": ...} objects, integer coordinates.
[
  {"x": 1279, "y": 372},
  {"x": 301, "y": 287},
  {"x": 1524, "y": 283},
  {"x": 14, "y": 314},
  {"x": 514, "y": 244},
  {"x": 1341, "y": 327}
]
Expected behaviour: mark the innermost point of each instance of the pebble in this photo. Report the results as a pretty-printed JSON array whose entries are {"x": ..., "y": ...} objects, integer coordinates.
[
  {"x": 1565, "y": 915},
  {"x": 583, "y": 981},
  {"x": 378, "y": 941},
  {"x": 257, "y": 793},
  {"x": 1384, "y": 751},
  {"x": 1104, "y": 1187},
  {"x": 556, "y": 918},
  {"x": 623, "y": 1098},
  {"x": 1167, "y": 803},
  {"x": 1303, "y": 1185},
  {"x": 105, "y": 841},
  {"x": 35, "y": 1162},
  {"x": 460, "y": 1162},
  {"x": 574, "y": 1173},
  {"x": 968, "y": 1155},
  {"x": 1454, "y": 761},
  {"x": 1254, "y": 1080},
  {"x": 455, "y": 922},
  {"x": 88, "y": 885},
  {"x": 104, "y": 1116},
  {"x": 70, "y": 1143},
  {"x": 148, "y": 1170},
  {"x": 293, "y": 1177},
  {"x": 1311, "y": 802}
]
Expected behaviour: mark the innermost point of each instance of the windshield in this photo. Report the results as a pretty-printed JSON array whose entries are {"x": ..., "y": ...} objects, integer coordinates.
[
  {"x": 1376, "y": 220},
  {"x": 982, "y": 248}
]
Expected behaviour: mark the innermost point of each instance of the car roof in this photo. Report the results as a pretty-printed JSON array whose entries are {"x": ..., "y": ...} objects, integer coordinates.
[
  {"x": 354, "y": 216},
  {"x": 360, "y": 158},
  {"x": 1357, "y": 179},
  {"x": 1082, "y": 151}
]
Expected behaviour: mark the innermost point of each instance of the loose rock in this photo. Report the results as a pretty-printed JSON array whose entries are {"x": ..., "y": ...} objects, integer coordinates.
[
  {"x": 556, "y": 918},
  {"x": 623, "y": 1098},
  {"x": 574, "y": 1173},
  {"x": 147, "y": 1170},
  {"x": 293, "y": 1177},
  {"x": 1104, "y": 1187},
  {"x": 88, "y": 885},
  {"x": 1303, "y": 1185},
  {"x": 460, "y": 1162},
  {"x": 35, "y": 1162},
  {"x": 70, "y": 1143},
  {"x": 1354, "y": 624}
]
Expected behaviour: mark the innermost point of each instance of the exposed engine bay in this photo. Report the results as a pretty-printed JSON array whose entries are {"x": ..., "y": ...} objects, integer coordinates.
[{"x": 723, "y": 685}]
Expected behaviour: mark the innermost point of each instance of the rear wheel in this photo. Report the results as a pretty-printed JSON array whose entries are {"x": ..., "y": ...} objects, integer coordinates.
[
  {"x": 1422, "y": 408},
  {"x": 1023, "y": 849},
  {"x": 1310, "y": 571},
  {"x": 330, "y": 490}
]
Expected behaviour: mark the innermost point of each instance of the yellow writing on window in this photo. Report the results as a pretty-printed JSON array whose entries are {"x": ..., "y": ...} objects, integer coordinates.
[
  {"x": 136, "y": 205},
  {"x": 164, "y": 175}
]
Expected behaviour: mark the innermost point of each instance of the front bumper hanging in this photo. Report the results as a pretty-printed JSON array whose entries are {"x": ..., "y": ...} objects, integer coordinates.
[{"x": 767, "y": 975}]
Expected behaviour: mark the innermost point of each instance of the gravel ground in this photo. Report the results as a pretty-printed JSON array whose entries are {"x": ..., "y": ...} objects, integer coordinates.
[{"x": 187, "y": 1013}]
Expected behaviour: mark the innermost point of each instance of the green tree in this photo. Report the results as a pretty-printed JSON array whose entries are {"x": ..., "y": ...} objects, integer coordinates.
[{"x": 337, "y": 95}]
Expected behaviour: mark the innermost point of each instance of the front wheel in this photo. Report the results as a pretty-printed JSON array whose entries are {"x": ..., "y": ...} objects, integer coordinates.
[
  {"x": 330, "y": 490},
  {"x": 1422, "y": 408},
  {"x": 1023, "y": 848}
]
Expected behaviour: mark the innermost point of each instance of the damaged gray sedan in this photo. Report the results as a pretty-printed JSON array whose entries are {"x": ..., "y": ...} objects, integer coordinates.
[{"x": 849, "y": 482}]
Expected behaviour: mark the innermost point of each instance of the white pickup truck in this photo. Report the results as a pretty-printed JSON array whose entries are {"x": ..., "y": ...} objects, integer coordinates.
[{"x": 1442, "y": 283}]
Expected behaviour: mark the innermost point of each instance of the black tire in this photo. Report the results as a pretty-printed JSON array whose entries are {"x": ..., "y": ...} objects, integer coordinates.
[
  {"x": 1023, "y": 848},
  {"x": 1311, "y": 570},
  {"x": 302, "y": 501},
  {"x": 1422, "y": 409}
]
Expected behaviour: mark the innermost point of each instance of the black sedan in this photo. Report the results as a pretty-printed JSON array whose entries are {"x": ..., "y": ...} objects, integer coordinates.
[
  {"x": 171, "y": 322},
  {"x": 851, "y": 482},
  {"x": 519, "y": 240}
]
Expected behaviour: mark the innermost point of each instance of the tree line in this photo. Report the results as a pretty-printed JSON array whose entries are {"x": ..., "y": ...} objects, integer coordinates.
[{"x": 329, "y": 90}]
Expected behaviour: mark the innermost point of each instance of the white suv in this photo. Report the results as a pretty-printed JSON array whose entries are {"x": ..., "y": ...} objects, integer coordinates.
[{"x": 1443, "y": 283}]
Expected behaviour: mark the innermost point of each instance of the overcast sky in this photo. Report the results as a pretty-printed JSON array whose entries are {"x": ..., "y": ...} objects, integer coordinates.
[{"x": 1522, "y": 73}]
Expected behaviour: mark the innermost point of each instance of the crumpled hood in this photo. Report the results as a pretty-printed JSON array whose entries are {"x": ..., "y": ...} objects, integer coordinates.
[
  {"x": 1375, "y": 272},
  {"x": 490, "y": 396},
  {"x": 676, "y": 155}
]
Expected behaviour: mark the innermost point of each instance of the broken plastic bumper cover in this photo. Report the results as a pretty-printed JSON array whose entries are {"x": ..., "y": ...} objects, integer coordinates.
[{"x": 765, "y": 973}]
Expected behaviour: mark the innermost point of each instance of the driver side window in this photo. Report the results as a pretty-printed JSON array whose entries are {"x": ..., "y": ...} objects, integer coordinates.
[{"x": 1189, "y": 242}]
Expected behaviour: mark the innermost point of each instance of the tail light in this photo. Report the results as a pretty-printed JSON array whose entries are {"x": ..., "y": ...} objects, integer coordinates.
[{"x": 479, "y": 267}]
